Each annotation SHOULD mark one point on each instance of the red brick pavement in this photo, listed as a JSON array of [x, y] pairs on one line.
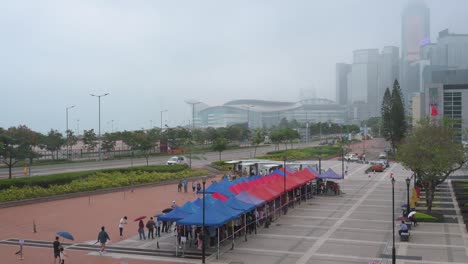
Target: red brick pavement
[[83, 217]]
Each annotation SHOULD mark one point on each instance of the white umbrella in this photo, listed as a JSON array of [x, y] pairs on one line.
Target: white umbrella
[[411, 214]]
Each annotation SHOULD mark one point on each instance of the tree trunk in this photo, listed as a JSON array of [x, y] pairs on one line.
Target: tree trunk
[[220, 155], [10, 164], [147, 156], [430, 190]]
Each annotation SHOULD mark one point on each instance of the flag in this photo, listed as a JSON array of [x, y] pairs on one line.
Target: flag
[[434, 111]]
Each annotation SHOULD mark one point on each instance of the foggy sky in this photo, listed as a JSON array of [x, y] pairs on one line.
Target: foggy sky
[[154, 55]]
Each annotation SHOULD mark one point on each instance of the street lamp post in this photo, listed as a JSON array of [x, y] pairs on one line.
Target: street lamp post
[[408, 181], [393, 219], [203, 226], [66, 131], [99, 105], [162, 111], [342, 162]]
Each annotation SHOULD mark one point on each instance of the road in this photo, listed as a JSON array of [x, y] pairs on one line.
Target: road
[[199, 162], [371, 147]]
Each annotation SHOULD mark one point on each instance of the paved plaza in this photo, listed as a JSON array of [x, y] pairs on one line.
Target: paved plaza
[[355, 227]]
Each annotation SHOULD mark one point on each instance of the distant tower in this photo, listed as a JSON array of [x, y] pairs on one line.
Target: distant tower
[[415, 32], [341, 78], [415, 29]]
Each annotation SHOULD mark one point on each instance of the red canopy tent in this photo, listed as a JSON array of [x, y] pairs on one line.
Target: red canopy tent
[[219, 196]]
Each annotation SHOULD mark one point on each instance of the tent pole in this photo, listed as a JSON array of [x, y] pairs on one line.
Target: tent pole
[[217, 253], [232, 246], [245, 226]]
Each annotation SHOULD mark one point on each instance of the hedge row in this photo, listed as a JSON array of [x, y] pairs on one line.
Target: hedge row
[[99, 180], [64, 178]]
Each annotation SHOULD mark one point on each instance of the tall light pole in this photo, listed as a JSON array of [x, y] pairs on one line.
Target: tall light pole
[[408, 181], [161, 112], [99, 135], [203, 224], [66, 131], [66, 110], [393, 220]]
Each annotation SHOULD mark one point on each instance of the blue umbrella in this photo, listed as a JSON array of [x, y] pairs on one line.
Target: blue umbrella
[[65, 235]]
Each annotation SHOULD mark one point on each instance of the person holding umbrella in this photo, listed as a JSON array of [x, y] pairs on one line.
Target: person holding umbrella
[[412, 217], [141, 230], [103, 237], [56, 246]]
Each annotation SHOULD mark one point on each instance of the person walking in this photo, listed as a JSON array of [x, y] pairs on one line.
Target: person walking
[[123, 221], [141, 230], [185, 185], [158, 227], [62, 255], [193, 186], [56, 246], [179, 186], [103, 238], [150, 225], [20, 251]]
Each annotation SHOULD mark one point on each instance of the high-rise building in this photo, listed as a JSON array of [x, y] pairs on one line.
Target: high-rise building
[[388, 70], [342, 70], [415, 32], [362, 88], [451, 50], [415, 29]]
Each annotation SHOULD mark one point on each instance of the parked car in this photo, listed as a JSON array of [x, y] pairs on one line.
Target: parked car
[[176, 160], [378, 168]]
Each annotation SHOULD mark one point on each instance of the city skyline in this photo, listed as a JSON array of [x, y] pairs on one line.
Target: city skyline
[[154, 56]]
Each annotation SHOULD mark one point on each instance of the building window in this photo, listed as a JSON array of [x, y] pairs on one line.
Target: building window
[[453, 110]]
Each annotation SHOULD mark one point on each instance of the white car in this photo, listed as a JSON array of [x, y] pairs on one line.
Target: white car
[[176, 160], [351, 157]]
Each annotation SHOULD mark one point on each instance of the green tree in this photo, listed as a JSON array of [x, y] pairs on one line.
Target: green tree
[[70, 140], [394, 125], [89, 139], [146, 141], [53, 142], [220, 145], [109, 142], [16, 144], [399, 124], [257, 140], [432, 154]]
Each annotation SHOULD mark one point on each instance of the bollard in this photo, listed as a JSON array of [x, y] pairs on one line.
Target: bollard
[[34, 226]]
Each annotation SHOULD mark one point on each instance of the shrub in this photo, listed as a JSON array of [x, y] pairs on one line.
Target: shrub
[[99, 180], [422, 217], [64, 178]]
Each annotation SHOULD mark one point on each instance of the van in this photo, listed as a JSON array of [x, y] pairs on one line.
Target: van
[[383, 155]]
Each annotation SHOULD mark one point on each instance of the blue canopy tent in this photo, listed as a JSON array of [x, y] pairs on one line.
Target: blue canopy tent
[[216, 214], [330, 174], [174, 215], [220, 188], [212, 218], [246, 197], [239, 205]]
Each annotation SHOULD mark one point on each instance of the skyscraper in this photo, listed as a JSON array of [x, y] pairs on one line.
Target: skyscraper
[[388, 70], [415, 32], [342, 70], [362, 85]]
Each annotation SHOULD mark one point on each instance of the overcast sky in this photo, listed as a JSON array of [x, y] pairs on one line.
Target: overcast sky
[[153, 55]]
